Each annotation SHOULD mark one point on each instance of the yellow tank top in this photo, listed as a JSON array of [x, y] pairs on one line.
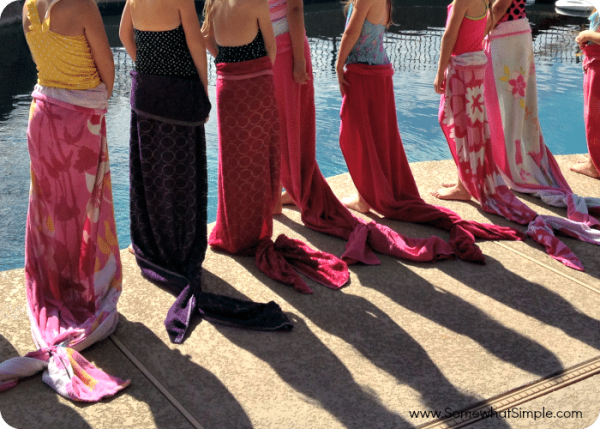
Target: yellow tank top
[[61, 61]]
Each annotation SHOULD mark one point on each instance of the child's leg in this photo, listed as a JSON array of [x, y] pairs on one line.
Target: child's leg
[[278, 204]]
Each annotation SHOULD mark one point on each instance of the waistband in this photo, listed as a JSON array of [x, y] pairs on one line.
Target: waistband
[[511, 28], [468, 60], [245, 69], [371, 70]]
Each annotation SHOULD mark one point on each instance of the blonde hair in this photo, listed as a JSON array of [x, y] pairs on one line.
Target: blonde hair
[[389, 21], [207, 14]]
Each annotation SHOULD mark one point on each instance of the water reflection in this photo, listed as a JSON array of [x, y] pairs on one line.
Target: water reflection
[[412, 45]]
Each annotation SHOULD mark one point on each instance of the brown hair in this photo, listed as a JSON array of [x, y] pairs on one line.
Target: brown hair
[[389, 21], [491, 16]]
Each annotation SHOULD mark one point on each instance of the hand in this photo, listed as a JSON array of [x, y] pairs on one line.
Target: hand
[[300, 74], [440, 83], [342, 82], [583, 38]]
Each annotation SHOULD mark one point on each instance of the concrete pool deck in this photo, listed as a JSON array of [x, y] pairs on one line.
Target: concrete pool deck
[[520, 333]]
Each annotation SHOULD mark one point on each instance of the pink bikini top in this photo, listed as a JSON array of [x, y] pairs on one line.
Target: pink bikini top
[[470, 34]]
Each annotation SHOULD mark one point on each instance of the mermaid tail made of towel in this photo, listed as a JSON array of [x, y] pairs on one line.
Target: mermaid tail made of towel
[[72, 264], [372, 147], [519, 151]]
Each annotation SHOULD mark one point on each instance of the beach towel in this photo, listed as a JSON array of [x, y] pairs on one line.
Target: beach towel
[[248, 182], [591, 101], [372, 147], [300, 175], [462, 116], [72, 266], [519, 151], [168, 204]]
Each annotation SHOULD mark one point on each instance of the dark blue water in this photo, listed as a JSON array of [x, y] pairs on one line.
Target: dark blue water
[[413, 47]]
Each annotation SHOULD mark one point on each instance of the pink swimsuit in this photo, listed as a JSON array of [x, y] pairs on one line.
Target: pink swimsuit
[[470, 34]]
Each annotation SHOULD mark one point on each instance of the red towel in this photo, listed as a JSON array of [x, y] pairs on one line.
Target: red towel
[[591, 101], [372, 147], [248, 182], [302, 179]]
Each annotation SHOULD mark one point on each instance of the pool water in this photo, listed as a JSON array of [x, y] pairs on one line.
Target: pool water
[[412, 45]]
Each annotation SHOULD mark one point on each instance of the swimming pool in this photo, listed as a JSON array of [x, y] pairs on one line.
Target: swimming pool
[[413, 47]]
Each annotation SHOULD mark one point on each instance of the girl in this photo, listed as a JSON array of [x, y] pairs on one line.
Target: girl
[[240, 37], [168, 162], [72, 265], [370, 140], [460, 79], [511, 101], [589, 43]]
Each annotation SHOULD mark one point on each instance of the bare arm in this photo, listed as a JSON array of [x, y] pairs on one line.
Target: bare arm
[[295, 17], [208, 31], [498, 10], [126, 33], [448, 41], [93, 28], [351, 34], [587, 36], [194, 39], [266, 28]]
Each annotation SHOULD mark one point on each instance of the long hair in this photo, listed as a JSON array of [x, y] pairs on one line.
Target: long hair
[[207, 14], [389, 21]]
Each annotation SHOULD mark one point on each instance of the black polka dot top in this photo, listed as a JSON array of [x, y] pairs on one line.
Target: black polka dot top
[[515, 11], [164, 53], [235, 54]]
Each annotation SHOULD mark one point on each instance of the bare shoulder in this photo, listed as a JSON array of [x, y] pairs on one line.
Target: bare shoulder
[[77, 8], [254, 4]]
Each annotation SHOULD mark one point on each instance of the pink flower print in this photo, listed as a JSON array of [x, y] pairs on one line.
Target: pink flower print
[[518, 85]]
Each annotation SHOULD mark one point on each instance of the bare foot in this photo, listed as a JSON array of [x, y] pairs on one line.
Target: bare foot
[[457, 192], [356, 203], [448, 184], [587, 168], [286, 199], [130, 249]]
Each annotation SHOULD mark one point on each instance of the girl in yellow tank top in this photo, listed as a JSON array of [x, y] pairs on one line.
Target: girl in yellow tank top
[[62, 61]]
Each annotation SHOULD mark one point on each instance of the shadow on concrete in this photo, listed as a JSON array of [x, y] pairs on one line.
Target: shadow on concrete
[[533, 300], [198, 390]]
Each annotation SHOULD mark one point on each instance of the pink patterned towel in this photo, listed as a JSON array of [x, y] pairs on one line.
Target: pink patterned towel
[[519, 151], [72, 265], [463, 119]]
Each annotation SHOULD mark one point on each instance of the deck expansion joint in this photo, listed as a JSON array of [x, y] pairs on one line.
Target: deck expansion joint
[[162, 389], [517, 396], [554, 270]]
